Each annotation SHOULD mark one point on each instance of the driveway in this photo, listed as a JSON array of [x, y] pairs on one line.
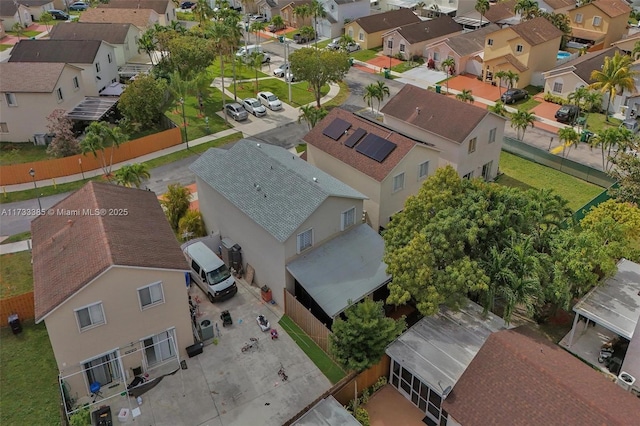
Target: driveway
[[479, 89], [225, 386], [422, 76]]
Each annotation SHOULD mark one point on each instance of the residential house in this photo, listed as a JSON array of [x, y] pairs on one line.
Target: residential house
[[519, 377], [2, 30], [36, 7], [268, 8], [503, 13], [143, 19], [471, 143], [29, 92], [387, 182], [96, 58], [556, 6], [165, 9], [299, 228], [289, 16], [599, 23], [410, 40], [627, 44], [341, 11], [466, 49], [111, 289], [367, 31], [431, 8], [528, 49], [14, 13], [123, 37]]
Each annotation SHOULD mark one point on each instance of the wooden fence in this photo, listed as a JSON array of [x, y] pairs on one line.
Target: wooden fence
[[55, 168], [316, 330], [21, 305]]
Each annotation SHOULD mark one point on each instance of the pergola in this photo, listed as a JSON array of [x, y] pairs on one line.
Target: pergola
[[92, 108]]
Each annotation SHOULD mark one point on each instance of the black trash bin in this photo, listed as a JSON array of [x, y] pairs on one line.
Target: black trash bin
[[195, 349], [14, 323]]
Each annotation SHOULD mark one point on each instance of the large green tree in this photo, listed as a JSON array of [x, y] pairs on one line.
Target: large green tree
[[311, 115], [144, 101], [190, 54], [191, 225], [614, 77], [359, 341], [319, 68], [627, 173]]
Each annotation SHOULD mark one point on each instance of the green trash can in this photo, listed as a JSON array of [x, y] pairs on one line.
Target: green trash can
[[351, 62], [586, 136], [387, 73], [438, 88]]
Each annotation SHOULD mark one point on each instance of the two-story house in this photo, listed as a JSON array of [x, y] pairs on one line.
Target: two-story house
[[599, 23], [268, 8], [109, 282], [470, 143], [367, 31], [143, 19], [528, 49], [12, 13], [37, 7], [387, 177], [300, 229], [29, 92], [287, 11], [410, 40], [165, 9], [337, 12], [96, 58]]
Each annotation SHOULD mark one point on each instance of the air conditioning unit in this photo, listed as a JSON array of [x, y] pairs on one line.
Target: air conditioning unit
[[625, 381]]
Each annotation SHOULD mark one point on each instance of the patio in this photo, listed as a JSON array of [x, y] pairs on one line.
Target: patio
[[587, 342], [478, 88], [389, 408]]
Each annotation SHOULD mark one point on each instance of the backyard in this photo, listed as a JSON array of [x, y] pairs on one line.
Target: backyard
[[16, 275]]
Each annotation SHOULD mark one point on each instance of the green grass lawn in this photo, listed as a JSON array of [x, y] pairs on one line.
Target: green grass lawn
[[364, 55], [323, 44], [29, 393], [22, 236], [4, 47], [299, 93], [17, 274], [596, 122], [521, 173], [329, 368], [340, 98], [525, 104], [243, 71], [406, 65], [196, 124], [16, 153], [24, 34]]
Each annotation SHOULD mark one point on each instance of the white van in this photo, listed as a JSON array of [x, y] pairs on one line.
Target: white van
[[209, 272], [246, 52]]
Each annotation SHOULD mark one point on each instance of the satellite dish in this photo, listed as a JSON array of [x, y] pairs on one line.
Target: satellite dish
[[446, 391]]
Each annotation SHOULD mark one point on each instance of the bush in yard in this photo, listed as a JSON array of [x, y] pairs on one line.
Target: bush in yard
[[555, 99], [82, 417], [191, 225], [176, 204], [64, 142], [144, 101], [362, 416]]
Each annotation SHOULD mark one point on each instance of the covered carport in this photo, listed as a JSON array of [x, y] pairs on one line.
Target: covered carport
[[340, 272], [93, 108]]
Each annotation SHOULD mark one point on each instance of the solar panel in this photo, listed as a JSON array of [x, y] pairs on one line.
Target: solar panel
[[355, 138], [336, 129], [375, 147]]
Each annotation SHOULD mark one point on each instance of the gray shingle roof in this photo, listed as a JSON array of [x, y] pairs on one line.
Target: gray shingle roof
[[272, 186], [67, 51], [25, 77], [111, 33]]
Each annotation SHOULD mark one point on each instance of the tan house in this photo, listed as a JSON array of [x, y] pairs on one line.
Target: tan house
[[527, 49], [600, 23], [503, 13], [627, 44], [300, 229], [32, 91], [14, 13], [556, 6], [109, 283], [368, 30], [165, 9], [469, 137], [143, 19], [388, 181], [289, 16], [410, 40]]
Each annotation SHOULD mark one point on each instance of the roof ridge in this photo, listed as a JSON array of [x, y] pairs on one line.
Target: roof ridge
[[101, 226]]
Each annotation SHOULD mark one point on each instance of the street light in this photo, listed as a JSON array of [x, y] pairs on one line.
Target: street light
[[81, 171], [33, 176], [184, 123], [390, 51]]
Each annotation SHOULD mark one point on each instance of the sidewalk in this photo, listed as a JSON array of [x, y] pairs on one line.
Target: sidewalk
[[15, 247]]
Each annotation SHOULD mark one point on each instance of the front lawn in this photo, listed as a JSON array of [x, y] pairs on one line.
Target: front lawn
[[243, 71], [25, 152], [526, 104], [29, 393], [407, 65], [364, 55], [196, 124], [24, 34], [4, 47], [596, 122], [17, 274], [525, 174], [22, 236], [300, 95]]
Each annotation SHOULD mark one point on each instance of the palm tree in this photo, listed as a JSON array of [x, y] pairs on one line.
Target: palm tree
[[175, 203], [528, 9], [221, 37], [303, 12], [523, 287], [345, 39], [191, 225], [569, 138], [511, 78], [520, 121], [98, 137], [307, 32], [202, 11], [278, 22], [636, 50], [465, 96], [577, 96], [132, 175], [177, 27], [502, 77], [147, 44], [436, 9], [46, 18], [420, 6], [611, 141], [482, 6], [370, 93], [256, 59], [498, 108], [615, 76], [256, 27], [591, 99], [311, 115], [180, 88], [317, 11], [382, 90], [497, 269], [448, 64]]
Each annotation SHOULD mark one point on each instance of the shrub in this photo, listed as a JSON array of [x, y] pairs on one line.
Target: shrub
[[555, 99], [362, 416]]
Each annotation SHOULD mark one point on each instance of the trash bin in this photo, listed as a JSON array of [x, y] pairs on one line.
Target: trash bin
[[14, 323], [438, 88], [195, 349], [387, 72], [586, 136], [350, 62]]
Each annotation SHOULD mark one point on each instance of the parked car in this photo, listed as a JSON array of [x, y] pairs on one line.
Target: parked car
[[352, 47], [79, 6], [258, 18], [631, 124], [273, 28], [567, 114], [300, 39], [187, 5], [247, 52], [281, 70], [59, 15], [289, 77], [254, 106], [270, 100], [513, 95], [334, 44], [236, 111]]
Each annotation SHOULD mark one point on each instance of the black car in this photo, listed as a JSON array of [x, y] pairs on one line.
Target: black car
[[187, 5], [513, 95], [567, 114], [59, 15]]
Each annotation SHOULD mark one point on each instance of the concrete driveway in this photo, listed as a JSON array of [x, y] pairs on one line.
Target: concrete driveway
[[225, 386], [422, 76]]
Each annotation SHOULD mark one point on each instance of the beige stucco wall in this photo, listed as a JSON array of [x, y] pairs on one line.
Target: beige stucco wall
[[126, 323], [366, 41], [24, 17], [108, 70], [37, 11], [129, 48], [30, 116], [570, 82], [612, 28]]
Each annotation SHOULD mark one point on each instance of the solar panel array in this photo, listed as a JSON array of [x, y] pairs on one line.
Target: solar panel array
[[375, 147], [336, 129], [355, 138]]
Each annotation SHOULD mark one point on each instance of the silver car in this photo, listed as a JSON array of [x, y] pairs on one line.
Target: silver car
[[253, 106], [281, 70], [236, 111], [270, 100]]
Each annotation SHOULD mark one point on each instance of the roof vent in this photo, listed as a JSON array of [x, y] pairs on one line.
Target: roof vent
[[258, 145], [417, 110], [257, 187], [315, 179]]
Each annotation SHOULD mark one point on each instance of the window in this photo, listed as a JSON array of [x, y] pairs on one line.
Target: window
[[578, 18], [332, 7], [486, 170], [305, 240], [489, 42], [519, 48], [492, 135], [468, 176], [351, 33], [76, 83], [348, 218], [360, 36], [423, 170], [436, 56], [160, 347], [390, 44], [103, 369], [11, 99], [109, 57], [59, 94], [97, 66], [150, 295], [398, 182], [90, 316], [597, 20], [402, 47], [472, 145], [4, 128], [286, 16], [557, 87]]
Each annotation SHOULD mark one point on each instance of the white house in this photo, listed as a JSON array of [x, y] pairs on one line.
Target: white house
[[14, 13]]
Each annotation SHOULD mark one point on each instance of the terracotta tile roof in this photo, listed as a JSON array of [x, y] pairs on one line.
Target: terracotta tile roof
[[350, 156], [501, 10], [585, 34], [67, 51], [141, 18], [428, 30], [612, 8], [515, 62], [435, 113], [160, 6], [387, 20], [559, 4], [520, 378], [29, 77], [70, 251], [537, 31], [111, 33], [471, 42]]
